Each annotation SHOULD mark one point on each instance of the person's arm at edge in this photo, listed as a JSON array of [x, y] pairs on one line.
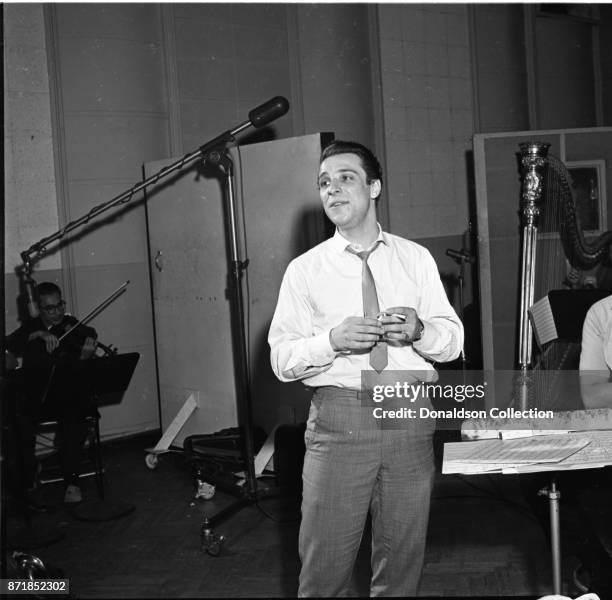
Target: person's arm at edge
[[595, 384], [442, 338], [295, 352]]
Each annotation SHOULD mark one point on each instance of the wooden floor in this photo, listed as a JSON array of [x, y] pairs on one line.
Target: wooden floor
[[482, 541]]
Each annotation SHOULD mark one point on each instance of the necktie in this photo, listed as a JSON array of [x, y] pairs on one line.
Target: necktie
[[378, 354]]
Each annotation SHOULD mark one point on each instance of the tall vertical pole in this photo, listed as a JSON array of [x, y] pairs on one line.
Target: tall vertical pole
[[533, 160], [241, 354], [554, 496]]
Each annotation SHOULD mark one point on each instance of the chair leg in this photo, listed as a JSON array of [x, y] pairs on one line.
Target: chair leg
[[23, 483], [99, 468]]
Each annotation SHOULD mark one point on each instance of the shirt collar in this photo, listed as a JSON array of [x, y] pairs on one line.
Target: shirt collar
[[340, 243]]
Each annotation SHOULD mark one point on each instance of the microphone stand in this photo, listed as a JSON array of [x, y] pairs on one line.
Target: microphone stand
[[461, 279], [247, 494], [461, 258]]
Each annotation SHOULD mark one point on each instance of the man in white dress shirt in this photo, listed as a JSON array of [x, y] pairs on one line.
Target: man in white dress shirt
[[320, 334]]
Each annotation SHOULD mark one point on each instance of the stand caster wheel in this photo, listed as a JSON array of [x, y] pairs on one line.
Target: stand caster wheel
[[151, 460], [214, 549], [211, 542]]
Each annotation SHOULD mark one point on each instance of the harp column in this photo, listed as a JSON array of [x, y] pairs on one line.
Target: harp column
[[533, 162]]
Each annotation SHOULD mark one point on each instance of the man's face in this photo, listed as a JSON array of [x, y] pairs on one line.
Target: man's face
[[347, 197], [51, 309]]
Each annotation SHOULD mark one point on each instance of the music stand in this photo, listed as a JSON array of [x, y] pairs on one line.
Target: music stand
[[107, 378], [111, 376]]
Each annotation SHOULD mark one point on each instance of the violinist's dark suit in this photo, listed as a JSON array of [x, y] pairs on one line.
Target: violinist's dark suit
[[51, 386]]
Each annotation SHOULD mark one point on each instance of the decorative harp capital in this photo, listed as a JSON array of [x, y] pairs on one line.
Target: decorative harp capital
[[533, 161]]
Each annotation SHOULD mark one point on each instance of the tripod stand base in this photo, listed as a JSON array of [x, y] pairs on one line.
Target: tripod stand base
[[101, 510], [244, 497], [212, 542]]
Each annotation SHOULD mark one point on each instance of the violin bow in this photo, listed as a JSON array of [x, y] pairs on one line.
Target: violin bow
[[90, 315]]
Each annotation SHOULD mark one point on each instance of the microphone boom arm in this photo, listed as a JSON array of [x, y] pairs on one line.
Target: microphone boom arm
[[258, 117], [39, 248]]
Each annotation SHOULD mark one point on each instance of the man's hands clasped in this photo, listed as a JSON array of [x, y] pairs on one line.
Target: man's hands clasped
[[397, 325]]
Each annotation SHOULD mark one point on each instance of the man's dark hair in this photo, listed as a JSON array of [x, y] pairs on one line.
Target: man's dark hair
[[368, 160], [48, 288]]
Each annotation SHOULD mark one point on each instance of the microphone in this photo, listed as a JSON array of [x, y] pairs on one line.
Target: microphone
[[258, 117], [29, 285], [460, 255], [269, 111]]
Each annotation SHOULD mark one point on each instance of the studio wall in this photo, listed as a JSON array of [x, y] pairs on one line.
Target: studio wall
[[31, 210], [427, 107]]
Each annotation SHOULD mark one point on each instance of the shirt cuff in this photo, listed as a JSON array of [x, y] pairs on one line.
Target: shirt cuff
[[429, 338], [321, 350]]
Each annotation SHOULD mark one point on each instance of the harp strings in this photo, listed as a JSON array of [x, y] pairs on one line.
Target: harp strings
[[551, 274], [551, 269]]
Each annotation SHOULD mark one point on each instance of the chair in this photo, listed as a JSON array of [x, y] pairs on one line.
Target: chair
[[46, 448]]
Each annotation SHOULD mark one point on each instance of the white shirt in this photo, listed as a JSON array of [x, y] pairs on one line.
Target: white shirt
[[322, 287], [596, 353]]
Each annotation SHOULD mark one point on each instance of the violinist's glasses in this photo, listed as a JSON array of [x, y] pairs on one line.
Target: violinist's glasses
[[51, 308]]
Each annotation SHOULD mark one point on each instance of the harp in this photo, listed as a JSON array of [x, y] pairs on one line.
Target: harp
[[546, 192]]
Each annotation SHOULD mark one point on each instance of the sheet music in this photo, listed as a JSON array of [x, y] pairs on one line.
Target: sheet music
[[594, 451], [535, 449], [511, 434], [543, 321], [599, 448], [563, 421], [594, 456], [473, 468]]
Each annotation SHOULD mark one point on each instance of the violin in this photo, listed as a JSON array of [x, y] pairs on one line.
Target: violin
[[108, 350], [73, 336]]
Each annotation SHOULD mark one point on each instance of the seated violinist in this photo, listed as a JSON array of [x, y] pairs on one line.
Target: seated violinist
[[52, 386]]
